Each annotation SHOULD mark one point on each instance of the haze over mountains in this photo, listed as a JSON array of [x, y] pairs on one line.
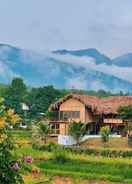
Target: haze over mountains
[[82, 69]]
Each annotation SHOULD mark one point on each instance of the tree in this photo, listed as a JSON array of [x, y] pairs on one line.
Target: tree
[[41, 131], [15, 95], [77, 130], [39, 99], [105, 133], [126, 113]]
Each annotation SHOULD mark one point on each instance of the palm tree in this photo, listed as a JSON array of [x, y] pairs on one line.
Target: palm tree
[[41, 131], [77, 130], [105, 133]]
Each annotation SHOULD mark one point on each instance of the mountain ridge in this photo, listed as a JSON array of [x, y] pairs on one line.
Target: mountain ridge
[[91, 52], [45, 69]]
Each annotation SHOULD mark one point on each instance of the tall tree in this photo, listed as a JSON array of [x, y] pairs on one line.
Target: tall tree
[[15, 95], [39, 100]]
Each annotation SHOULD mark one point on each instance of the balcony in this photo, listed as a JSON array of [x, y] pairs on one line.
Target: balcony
[[63, 116]]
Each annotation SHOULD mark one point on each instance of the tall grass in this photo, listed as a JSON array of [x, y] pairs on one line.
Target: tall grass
[[90, 169]]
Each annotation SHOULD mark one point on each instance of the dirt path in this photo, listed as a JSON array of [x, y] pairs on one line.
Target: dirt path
[[69, 180]]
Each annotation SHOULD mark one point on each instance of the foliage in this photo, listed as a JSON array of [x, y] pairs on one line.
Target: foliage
[[125, 112], [105, 132], [41, 131], [91, 167], [60, 155], [88, 163], [15, 95], [9, 167], [77, 130], [39, 100], [110, 153], [51, 115], [3, 89], [46, 147]]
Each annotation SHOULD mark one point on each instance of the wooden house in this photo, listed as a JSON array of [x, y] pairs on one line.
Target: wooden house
[[93, 111]]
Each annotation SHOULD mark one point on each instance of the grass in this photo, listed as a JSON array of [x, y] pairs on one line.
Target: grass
[[114, 143], [77, 165], [21, 134], [36, 154], [81, 166], [117, 170]]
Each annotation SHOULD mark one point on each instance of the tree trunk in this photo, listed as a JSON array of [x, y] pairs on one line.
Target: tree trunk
[[45, 140], [77, 142]]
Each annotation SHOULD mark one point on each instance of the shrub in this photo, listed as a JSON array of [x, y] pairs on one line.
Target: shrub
[[60, 156], [46, 147], [9, 166], [102, 152], [105, 132]]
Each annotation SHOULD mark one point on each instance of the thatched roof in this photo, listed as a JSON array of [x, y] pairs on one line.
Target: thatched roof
[[98, 105]]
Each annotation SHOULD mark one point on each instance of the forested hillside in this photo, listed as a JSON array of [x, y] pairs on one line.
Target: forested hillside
[[38, 99]]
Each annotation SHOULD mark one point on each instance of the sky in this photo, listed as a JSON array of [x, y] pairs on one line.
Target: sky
[[71, 24]]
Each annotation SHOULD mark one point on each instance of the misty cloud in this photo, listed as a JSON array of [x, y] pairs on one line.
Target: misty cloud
[[89, 64]]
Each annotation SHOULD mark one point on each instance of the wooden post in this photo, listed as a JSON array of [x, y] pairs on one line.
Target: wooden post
[[59, 115]]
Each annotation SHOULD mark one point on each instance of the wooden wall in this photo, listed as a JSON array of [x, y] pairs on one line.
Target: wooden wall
[[89, 117], [75, 105]]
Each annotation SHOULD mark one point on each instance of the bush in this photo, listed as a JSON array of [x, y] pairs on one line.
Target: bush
[[102, 152], [9, 166], [62, 152], [46, 147], [105, 132], [60, 156]]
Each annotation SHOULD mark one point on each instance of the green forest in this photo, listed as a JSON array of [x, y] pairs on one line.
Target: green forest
[[38, 99]]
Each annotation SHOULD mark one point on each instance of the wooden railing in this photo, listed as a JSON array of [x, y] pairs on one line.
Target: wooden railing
[[113, 120]]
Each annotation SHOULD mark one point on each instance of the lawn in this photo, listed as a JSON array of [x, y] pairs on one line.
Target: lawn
[[114, 143], [78, 168]]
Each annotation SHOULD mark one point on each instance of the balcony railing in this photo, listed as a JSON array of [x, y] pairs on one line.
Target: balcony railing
[[113, 121], [64, 115]]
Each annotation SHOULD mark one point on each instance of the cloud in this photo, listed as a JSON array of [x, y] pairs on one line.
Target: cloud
[[105, 25], [88, 63], [76, 83]]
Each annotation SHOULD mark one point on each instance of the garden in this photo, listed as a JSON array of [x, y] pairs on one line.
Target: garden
[[52, 163], [30, 156]]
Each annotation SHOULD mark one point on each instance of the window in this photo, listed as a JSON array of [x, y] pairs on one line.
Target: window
[[75, 114], [55, 128], [64, 115]]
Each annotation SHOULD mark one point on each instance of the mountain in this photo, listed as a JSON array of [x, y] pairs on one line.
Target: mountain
[[124, 60], [95, 54], [38, 69]]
